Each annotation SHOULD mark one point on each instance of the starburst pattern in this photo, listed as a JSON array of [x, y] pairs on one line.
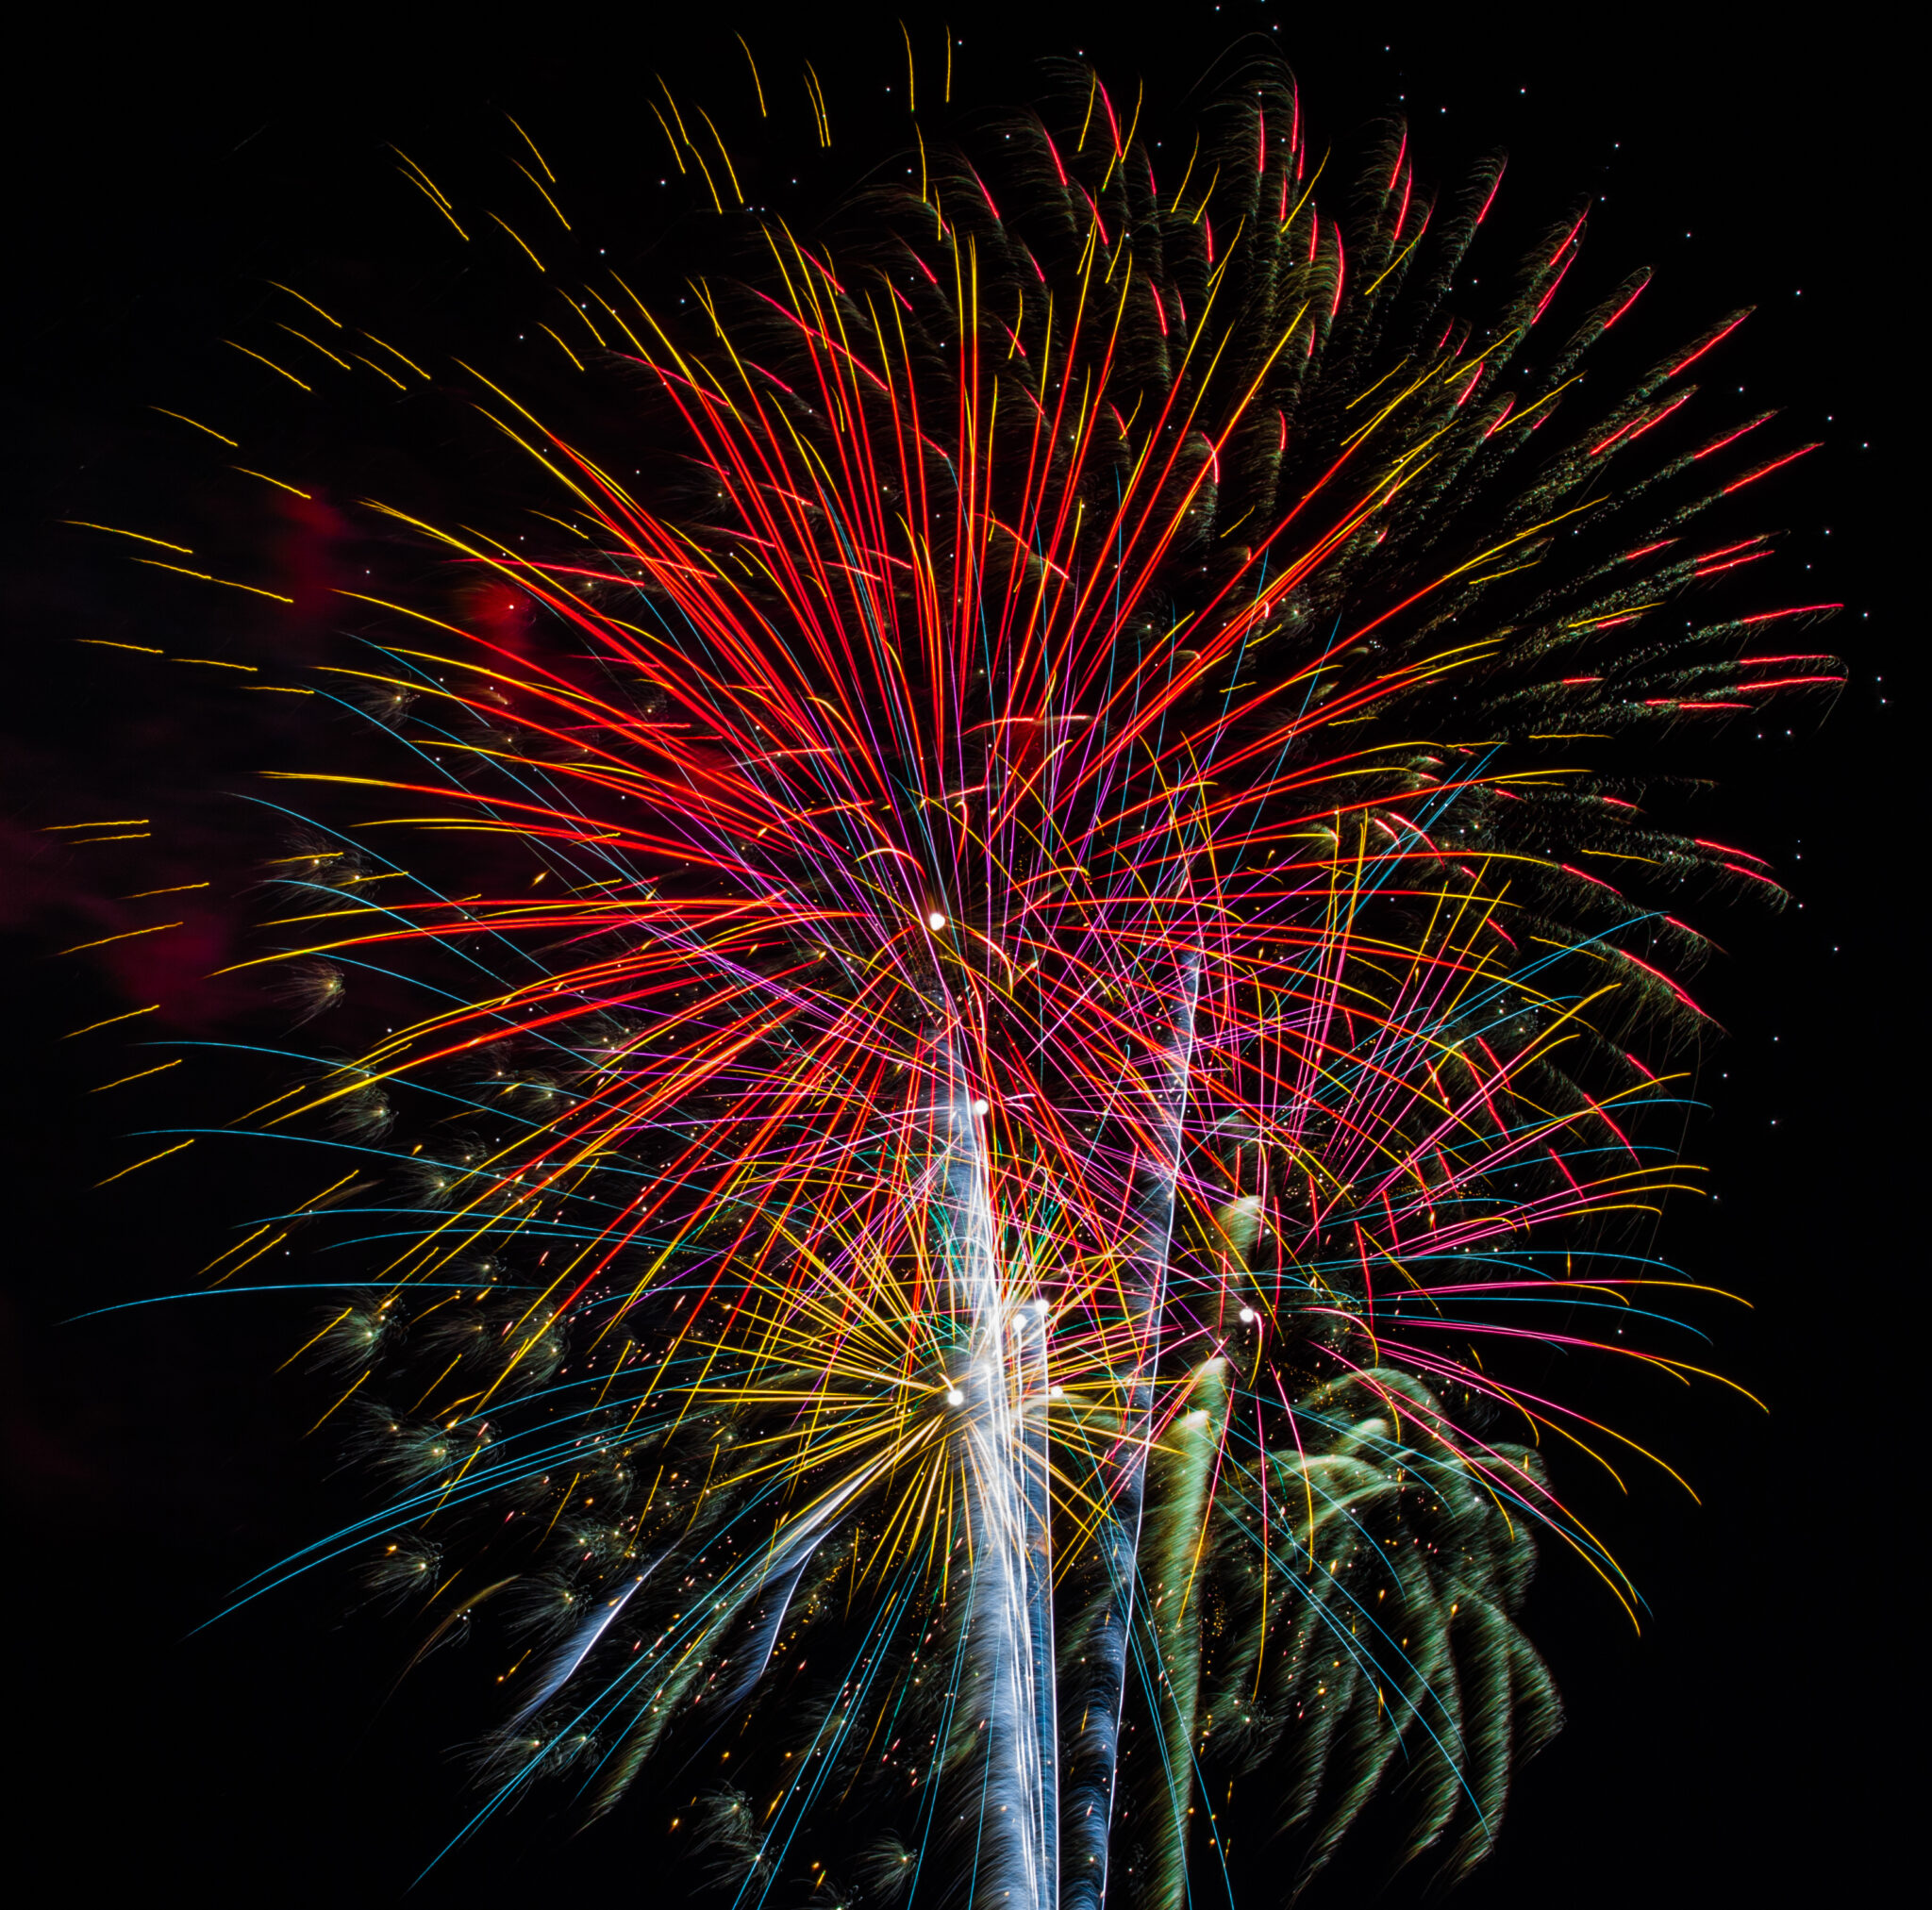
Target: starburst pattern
[[1063, 987]]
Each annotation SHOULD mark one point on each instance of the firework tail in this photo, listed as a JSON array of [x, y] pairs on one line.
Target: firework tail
[[1010, 1614], [1184, 1460], [1093, 1759], [1032, 1341]]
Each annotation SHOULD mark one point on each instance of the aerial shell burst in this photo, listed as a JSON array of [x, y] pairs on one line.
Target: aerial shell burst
[[1084, 1002]]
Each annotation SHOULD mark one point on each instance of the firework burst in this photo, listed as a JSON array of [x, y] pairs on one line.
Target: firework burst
[[1063, 983]]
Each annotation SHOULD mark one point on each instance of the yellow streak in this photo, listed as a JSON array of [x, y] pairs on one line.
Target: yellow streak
[[307, 340], [380, 372], [148, 1162], [392, 350], [203, 577], [112, 1018], [311, 1339], [562, 346], [538, 184], [156, 929], [755, 81], [162, 1069], [730, 171], [527, 253], [343, 1400], [532, 145], [309, 302], [232, 443], [270, 363], [275, 481], [81, 524]]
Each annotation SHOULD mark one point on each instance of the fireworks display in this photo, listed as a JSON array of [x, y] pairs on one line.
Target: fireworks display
[[1037, 981]]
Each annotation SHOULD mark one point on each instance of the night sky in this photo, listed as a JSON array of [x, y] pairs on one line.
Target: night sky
[[1747, 1745]]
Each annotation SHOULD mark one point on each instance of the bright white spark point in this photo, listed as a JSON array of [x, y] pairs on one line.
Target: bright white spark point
[[934, 920], [1247, 1313], [980, 1106], [954, 1396]]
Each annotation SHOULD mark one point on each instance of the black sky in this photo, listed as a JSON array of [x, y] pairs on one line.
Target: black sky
[[1748, 1743]]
